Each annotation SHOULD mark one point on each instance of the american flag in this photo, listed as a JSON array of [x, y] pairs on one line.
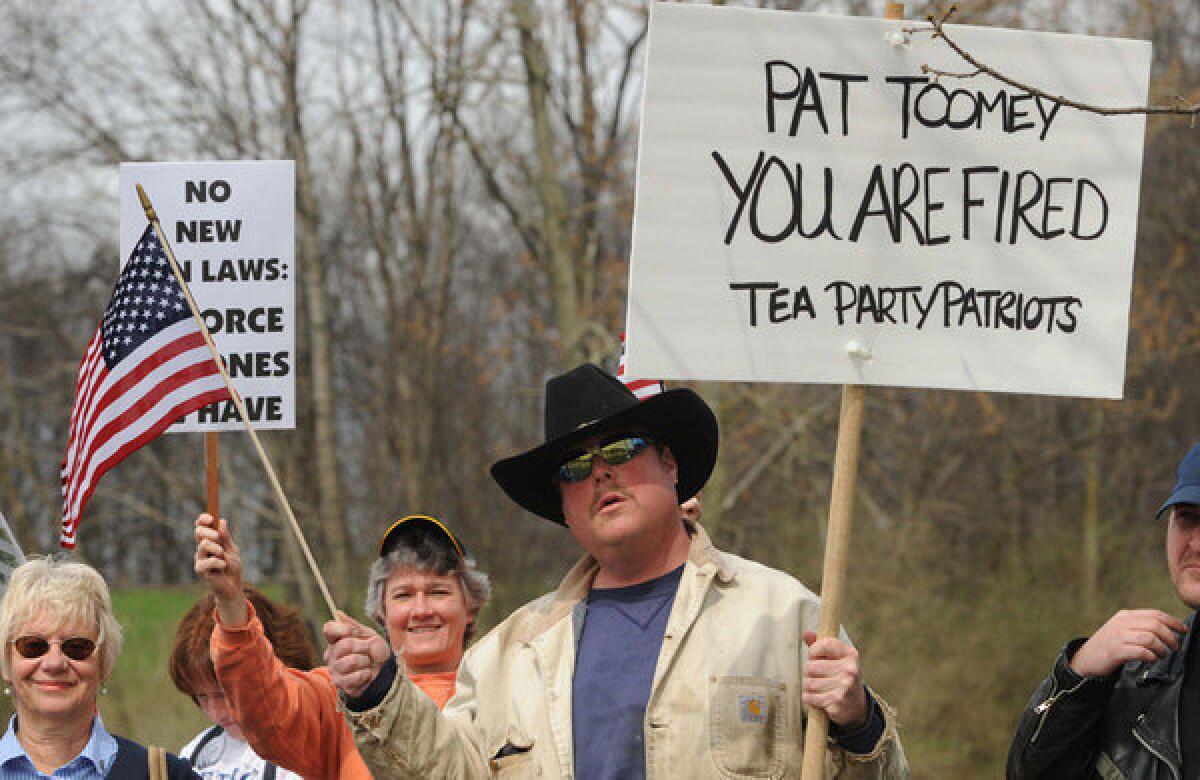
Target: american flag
[[642, 388], [146, 366]]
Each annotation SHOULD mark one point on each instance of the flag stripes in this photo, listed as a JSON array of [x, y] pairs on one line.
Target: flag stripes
[[642, 388]]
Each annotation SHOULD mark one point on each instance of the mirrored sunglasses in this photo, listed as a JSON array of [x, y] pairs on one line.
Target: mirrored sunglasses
[[613, 452], [77, 648]]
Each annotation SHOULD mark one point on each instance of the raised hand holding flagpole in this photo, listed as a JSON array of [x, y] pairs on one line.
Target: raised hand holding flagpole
[[241, 408]]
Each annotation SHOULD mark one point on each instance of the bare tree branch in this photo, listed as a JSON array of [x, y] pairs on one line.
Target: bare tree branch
[[937, 29]]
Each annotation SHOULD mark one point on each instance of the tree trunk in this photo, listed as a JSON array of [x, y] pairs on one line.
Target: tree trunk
[[329, 502], [559, 257]]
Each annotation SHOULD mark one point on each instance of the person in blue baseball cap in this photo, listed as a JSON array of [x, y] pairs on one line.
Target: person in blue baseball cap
[[1125, 702]]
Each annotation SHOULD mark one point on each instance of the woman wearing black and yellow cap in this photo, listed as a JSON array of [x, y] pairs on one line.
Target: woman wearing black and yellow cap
[[424, 593]]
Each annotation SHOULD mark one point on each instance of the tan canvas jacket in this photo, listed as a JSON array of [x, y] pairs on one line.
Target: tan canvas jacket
[[725, 700]]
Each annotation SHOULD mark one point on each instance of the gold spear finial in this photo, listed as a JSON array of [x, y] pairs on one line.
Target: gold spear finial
[[145, 199]]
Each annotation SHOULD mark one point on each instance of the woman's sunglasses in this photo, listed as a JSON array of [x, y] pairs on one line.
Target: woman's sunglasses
[[613, 452], [77, 648]]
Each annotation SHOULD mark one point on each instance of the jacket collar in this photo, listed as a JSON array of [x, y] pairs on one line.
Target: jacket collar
[[575, 586], [1170, 667]]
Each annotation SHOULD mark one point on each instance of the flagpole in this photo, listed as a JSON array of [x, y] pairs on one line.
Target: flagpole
[[237, 400]]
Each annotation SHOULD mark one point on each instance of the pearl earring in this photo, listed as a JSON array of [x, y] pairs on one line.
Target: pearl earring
[[8, 690]]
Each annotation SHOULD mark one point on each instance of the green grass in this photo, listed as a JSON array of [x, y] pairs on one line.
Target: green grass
[[142, 703]]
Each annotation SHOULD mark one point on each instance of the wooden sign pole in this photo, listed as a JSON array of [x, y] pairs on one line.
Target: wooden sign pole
[[837, 539], [833, 572], [212, 486]]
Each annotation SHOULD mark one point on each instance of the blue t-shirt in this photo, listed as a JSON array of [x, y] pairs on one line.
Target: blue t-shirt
[[618, 650]]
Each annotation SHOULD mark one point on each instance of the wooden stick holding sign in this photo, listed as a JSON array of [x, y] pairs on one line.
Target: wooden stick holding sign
[[212, 484], [837, 539], [833, 572], [241, 408]]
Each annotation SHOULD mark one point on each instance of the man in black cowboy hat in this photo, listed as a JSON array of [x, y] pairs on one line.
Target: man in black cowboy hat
[[658, 655], [1125, 702]]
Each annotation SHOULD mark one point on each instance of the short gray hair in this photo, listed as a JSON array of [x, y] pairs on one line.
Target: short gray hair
[[70, 594], [435, 559]]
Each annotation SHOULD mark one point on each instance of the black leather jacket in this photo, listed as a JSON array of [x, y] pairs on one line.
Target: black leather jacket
[[1121, 726]]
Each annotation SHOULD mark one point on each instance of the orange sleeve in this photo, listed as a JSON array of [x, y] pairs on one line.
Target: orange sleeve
[[290, 717]]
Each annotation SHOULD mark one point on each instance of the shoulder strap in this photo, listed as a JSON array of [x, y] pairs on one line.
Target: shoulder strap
[[209, 736], [130, 761], [269, 769], [156, 757]]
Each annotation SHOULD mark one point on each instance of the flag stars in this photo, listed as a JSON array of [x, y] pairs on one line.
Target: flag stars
[[146, 299]]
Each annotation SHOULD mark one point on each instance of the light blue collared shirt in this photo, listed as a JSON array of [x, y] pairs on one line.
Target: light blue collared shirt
[[92, 763]]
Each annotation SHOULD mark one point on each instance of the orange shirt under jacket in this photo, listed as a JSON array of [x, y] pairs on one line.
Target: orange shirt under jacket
[[290, 717]]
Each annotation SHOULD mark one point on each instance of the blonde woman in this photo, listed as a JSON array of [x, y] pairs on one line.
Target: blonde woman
[[61, 642]]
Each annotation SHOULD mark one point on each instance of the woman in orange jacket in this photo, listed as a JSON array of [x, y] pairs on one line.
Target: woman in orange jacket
[[424, 591]]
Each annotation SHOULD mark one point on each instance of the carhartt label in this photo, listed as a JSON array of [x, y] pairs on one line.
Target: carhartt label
[[753, 709]]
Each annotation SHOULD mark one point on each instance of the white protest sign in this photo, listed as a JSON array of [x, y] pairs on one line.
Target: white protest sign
[[811, 208], [232, 227]]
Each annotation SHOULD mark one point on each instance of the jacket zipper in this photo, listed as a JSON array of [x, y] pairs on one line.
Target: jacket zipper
[[1044, 708], [1153, 752]]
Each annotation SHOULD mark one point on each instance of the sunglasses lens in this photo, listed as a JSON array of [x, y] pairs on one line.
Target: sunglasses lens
[[31, 646], [78, 648], [622, 450], [576, 468], [614, 453]]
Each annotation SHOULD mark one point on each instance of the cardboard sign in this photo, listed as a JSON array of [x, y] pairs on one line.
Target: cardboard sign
[[811, 208], [232, 227]]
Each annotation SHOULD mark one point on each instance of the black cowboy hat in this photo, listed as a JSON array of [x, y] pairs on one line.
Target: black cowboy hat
[[585, 402]]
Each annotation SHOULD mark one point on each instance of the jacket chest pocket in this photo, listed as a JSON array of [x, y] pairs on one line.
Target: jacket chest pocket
[[748, 721], [512, 756]]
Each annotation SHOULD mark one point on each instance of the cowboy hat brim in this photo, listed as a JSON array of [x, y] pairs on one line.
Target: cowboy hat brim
[[678, 418]]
